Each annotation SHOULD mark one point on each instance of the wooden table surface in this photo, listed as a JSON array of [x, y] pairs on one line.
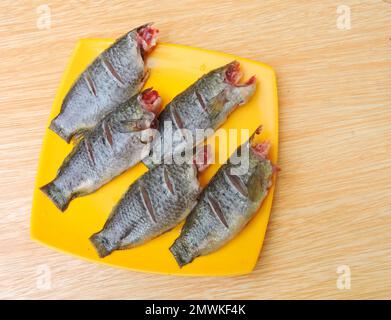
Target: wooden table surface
[[332, 205]]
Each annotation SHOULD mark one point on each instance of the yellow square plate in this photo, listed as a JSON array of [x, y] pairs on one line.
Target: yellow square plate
[[173, 68]]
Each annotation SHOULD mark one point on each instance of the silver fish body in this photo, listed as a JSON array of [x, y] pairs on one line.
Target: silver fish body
[[224, 208], [205, 104], [154, 204], [117, 143], [112, 78]]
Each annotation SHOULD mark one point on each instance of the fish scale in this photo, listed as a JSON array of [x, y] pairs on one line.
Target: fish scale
[[223, 208], [131, 223]]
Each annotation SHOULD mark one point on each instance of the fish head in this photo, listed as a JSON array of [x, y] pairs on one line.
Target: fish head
[[147, 37], [150, 103]]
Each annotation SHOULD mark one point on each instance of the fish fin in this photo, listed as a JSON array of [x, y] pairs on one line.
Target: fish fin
[[203, 157], [57, 197], [101, 244], [181, 253], [79, 135], [59, 130]]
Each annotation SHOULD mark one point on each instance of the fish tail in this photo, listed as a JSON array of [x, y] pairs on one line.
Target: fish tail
[[56, 195], [181, 253], [56, 127], [101, 244]]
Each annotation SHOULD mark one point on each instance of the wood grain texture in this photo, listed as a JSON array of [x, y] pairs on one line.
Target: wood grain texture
[[332, 203]]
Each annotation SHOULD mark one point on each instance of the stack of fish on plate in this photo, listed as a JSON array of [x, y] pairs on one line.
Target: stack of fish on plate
[[113, 124]]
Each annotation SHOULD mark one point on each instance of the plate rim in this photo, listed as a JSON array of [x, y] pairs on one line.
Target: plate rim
[[34, 236]]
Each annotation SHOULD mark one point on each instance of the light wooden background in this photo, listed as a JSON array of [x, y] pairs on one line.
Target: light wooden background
[[332, 204]]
